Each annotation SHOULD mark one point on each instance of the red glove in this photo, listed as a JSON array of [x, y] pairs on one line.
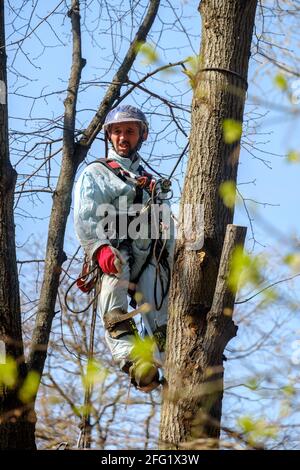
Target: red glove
[[109, 260]]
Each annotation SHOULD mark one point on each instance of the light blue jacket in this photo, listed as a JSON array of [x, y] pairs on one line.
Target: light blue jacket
[[98, 185]]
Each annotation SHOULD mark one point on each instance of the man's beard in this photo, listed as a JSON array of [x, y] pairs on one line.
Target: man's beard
[[126, 153]]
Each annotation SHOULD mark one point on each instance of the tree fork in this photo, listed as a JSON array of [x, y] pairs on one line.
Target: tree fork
[[17, 422]]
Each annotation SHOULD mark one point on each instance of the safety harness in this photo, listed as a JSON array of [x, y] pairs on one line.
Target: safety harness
[[158, 251]]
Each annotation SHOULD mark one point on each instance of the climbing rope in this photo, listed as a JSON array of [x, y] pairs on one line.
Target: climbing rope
[[89, 283]]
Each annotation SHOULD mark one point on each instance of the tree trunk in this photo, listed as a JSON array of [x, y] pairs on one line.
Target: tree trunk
[[16, 425], [194, 364]]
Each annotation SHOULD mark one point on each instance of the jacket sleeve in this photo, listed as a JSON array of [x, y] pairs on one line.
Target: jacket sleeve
[[92, 196]]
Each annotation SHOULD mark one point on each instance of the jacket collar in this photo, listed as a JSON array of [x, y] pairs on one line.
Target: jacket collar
[[126, 163]]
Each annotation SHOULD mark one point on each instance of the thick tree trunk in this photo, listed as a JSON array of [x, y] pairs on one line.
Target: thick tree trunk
[[194, 363], [16, 425]]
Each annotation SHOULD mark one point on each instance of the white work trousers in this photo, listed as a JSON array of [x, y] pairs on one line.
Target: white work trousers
[[114, 294]]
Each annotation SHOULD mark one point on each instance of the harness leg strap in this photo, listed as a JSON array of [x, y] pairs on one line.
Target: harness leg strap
[[116, 325]]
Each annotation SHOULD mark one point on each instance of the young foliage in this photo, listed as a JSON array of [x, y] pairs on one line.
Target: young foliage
[[232, 131]]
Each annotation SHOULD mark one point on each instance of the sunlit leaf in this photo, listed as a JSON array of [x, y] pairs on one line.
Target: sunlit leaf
[[293, 261], [281, 82], [289, 390], [194, 64], [246, 423], [9, 373], [227, 191], [256, 430], [232, 130], [252, 383], [149, 53], [293, 157], [191, 76], [30, 387], [83, 410], [143, 349], [145, 307], [142, 355], [95, 373], [244, 269]]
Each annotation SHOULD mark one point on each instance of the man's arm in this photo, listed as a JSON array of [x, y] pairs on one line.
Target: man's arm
[[92, 195]]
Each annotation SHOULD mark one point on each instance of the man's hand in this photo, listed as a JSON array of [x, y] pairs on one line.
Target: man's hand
[[110, 260]]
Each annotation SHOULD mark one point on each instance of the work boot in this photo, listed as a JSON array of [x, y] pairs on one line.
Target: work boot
[[144, 375]]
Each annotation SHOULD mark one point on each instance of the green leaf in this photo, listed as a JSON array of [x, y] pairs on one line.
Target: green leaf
[[293, 261], [30, 387], [281, 82], [227, 191], [232, 130], [257, 429], [83, 409], [293, 157], [95, 373], [246, 423], [192, 78], [143, 349], [8, 373], [289, 390], [195, 64], [252, 383], [270, 296], [148, 51]]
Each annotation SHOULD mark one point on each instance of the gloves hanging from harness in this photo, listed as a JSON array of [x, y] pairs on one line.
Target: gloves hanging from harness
[[110, 260]]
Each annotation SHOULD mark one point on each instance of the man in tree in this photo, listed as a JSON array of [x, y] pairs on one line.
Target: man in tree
[[107, 195]]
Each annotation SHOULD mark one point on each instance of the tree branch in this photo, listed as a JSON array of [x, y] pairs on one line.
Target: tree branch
[[55, 255]]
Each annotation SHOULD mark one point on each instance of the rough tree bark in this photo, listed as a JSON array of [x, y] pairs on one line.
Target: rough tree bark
[[16, 420], [73, 154], [192, 405]]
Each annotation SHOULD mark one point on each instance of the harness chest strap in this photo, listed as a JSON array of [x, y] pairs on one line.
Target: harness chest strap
[[140, 184], [144, 181]]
